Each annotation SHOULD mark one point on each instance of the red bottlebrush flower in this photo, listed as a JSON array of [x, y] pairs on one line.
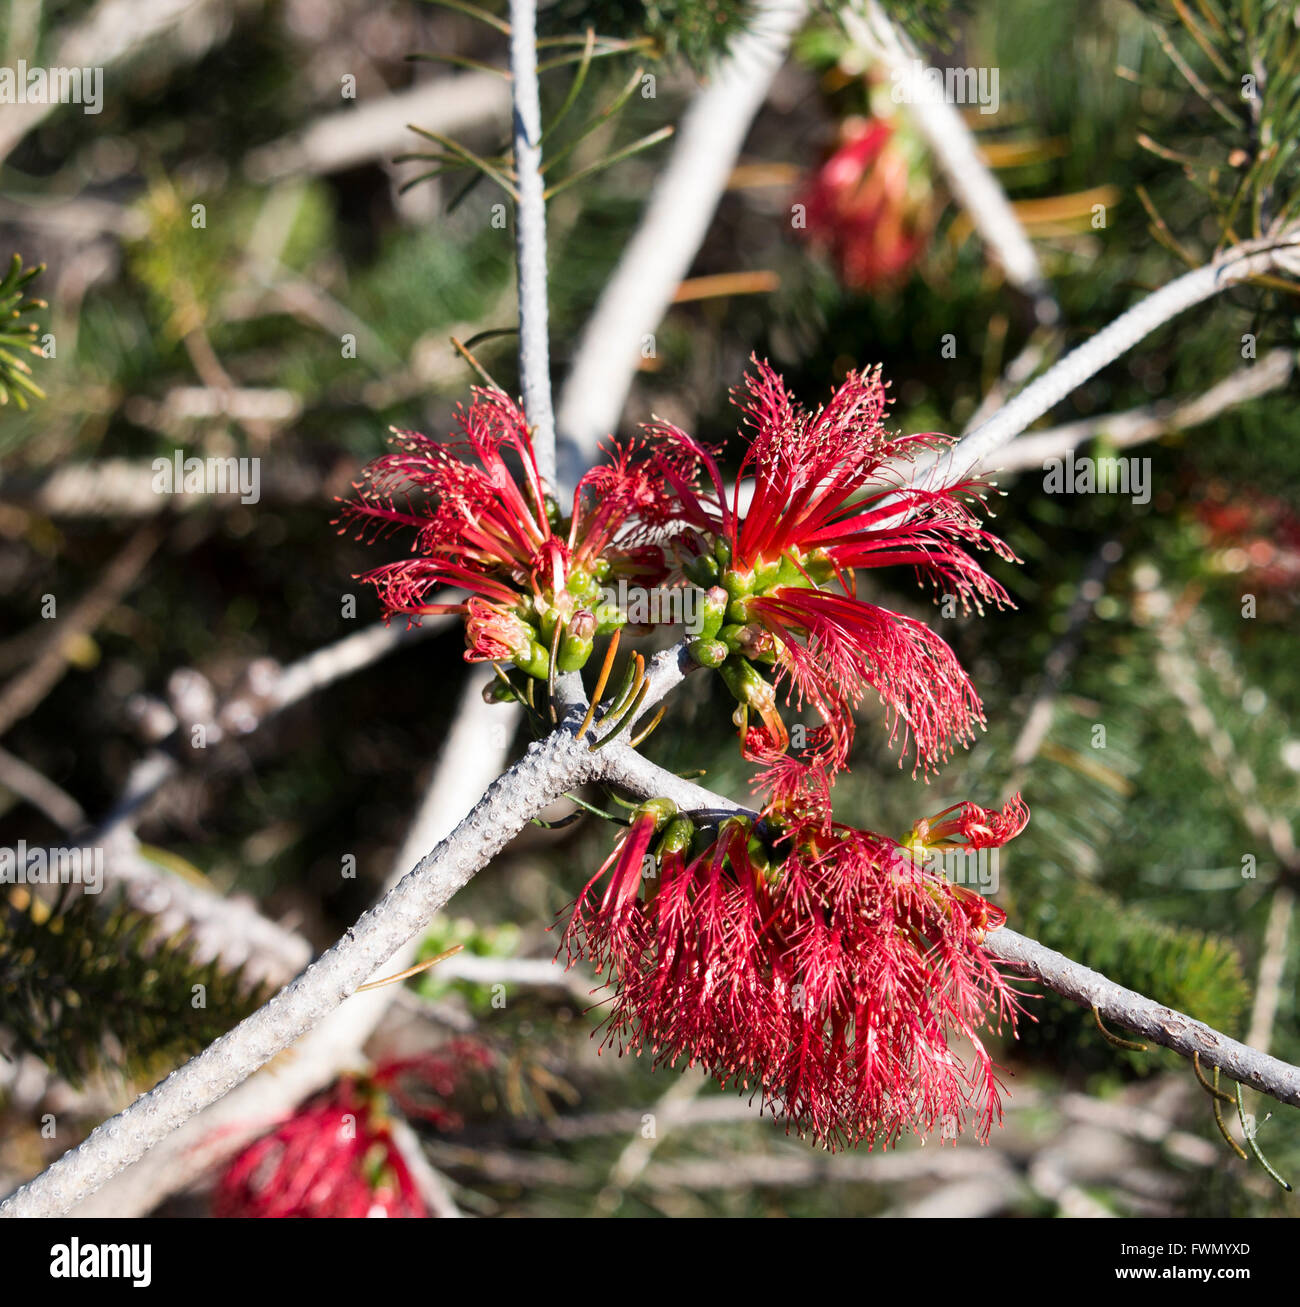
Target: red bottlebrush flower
[[421, 1086], [867, 206], [826, 501], [335, 1156], [823, 967], [484, 521], [968, 826]]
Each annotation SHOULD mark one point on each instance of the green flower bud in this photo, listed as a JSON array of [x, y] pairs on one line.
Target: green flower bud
[[738, 611], [744, 681], [703, 570], [609, 618], [535, 661], [662, 810], [497, 691], [713, 609], [708, 653], [677, 836], [738, 584], [576, 642], [581, 585]]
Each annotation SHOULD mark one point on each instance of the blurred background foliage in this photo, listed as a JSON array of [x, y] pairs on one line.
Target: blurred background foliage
[[1133, 862]]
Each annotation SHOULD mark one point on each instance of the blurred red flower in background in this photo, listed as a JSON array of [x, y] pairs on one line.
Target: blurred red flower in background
[[867, 206], [1255, 535], [336, 1156]]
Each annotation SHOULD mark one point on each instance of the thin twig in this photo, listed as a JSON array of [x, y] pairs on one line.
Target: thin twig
[[672, 228], [1109, 344], [953, 145], [1151, 421], [530, 238], [22, 694], [23, 780]]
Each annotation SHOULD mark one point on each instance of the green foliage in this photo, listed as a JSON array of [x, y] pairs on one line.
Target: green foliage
[[493, 941], [698, 31], [87, 987], [180, 261], [934, 22], [1234, 66], [16, 336]]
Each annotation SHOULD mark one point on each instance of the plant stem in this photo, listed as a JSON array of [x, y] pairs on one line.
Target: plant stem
[[548, 769], [1144, 1016], [530, 237]]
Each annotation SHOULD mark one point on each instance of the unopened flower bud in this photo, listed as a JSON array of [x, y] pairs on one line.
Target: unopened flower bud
[[609, 618], [576, 642], [754, 693], [661, 810], [535, 661], [702, 569], [677, 836], [713, 611], [708, 653]]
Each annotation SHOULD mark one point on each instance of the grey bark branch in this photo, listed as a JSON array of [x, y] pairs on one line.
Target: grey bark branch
[[1145, 1017], [1150, 421], [538, 778], [1109, 344], [113, 32], [313, 672], [530, 237], [381, 127], [474, 752]]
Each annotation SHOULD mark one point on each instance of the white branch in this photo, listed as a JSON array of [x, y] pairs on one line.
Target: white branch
[[1109, 344], [381, 127], [472, 755], [24, 781], [530, 237], [676, 218], [954, 147], [112, 33], [1152, 1020], [315, 671], [1150, 421], [538, 778]]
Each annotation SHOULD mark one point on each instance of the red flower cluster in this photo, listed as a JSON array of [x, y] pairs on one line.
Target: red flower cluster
[[335, 1156], [866, 206], [829, 495], [497, 533], [827, 968], [827, 498]]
